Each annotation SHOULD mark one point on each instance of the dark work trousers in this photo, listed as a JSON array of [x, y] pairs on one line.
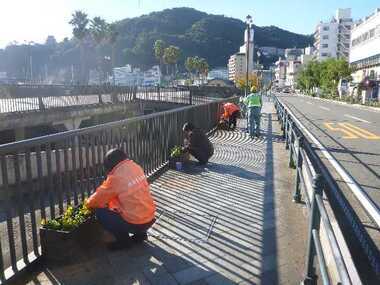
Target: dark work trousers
[[116, 225], [232, 120]]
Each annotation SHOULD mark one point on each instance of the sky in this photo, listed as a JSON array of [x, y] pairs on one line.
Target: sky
[[33, 20]]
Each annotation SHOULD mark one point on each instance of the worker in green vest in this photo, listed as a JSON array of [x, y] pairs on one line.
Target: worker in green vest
[[254, 103]]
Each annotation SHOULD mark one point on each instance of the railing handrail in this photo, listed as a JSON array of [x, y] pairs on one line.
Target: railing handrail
[[4, 148]]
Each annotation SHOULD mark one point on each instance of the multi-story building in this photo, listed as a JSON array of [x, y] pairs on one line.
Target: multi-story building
[[332, 39], [236, 66], [280, 72], [365, 48], [292, 69]]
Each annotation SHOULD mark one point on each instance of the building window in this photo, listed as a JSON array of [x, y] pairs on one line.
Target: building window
[[326, 28], [326, 37], [323, 54], [325, 46]]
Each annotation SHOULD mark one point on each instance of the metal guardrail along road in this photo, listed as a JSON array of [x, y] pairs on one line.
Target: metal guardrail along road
[[310, 170]]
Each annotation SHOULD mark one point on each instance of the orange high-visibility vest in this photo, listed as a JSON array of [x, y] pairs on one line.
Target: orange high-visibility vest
[[229, 108], [127, 192]]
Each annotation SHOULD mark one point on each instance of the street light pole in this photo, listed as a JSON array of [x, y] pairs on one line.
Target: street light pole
[[249, 23]]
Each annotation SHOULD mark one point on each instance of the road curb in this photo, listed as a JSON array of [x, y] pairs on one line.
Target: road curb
[[358, 106]]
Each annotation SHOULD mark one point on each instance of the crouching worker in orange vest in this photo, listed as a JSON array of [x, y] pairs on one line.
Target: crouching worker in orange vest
[[231, 113], [123, 203]]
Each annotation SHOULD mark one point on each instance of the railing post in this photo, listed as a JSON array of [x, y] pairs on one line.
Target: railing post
[[134, 95], [314, 223], [191, 96], [158, 93], [41, 105]]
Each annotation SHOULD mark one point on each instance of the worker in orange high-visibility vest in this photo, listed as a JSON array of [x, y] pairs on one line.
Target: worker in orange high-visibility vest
[[123, 203], [231, 113]]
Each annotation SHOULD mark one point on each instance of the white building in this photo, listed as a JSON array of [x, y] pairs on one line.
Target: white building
[[292, 69], [218, 73], [126, 76], [152, 77], [332, 39], [365, 48]]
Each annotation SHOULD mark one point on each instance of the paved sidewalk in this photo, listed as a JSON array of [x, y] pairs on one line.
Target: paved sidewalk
[[231, 222]]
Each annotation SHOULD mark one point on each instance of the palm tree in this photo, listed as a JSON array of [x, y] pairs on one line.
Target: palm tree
[[159, 49], [98, 30], [203, 68], [190, 66], [113, 35], [171, 55], [79, 22]]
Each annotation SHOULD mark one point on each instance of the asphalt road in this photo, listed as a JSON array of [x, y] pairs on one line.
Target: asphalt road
[[352, 136]]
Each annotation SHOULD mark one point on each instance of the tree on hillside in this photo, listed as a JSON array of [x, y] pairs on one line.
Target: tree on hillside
[[80, 22], [159, 49]]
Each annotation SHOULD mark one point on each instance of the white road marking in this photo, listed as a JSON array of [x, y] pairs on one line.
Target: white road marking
[[356, 118], [324, 108], [362, 196], [309, 103]]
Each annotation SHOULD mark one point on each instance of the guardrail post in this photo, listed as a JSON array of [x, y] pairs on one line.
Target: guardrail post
[[314, 223], [286, 131], [290, 139], [297, 191]]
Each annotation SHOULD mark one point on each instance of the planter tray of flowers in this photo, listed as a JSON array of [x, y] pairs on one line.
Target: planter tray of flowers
[[178, 157], [65, 237]]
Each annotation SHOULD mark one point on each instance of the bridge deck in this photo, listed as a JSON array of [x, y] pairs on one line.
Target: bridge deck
[[231, 222]]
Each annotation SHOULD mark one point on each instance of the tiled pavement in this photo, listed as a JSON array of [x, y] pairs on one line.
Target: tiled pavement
[[231, 222]]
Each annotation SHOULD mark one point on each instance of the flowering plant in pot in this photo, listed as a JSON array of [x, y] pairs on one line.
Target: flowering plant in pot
[[178, 155], [64, 237]]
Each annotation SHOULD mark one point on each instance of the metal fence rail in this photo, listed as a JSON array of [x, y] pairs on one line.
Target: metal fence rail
[[311, 170], [40, 177], [16, 99]]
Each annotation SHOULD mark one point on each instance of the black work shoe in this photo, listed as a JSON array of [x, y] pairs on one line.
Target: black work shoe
[[139, 238], [119, 245]]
